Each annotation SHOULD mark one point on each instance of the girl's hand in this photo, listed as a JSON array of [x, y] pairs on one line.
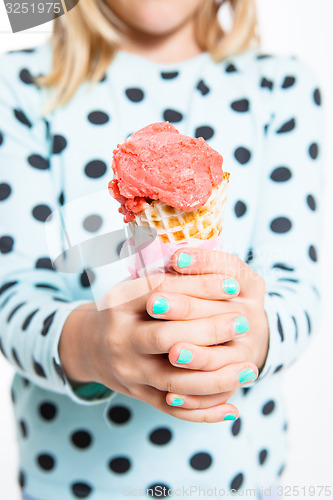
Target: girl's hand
[[237, 361], [122, 347]]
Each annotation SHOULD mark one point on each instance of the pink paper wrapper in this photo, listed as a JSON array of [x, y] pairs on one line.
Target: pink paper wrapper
[[154, 257]]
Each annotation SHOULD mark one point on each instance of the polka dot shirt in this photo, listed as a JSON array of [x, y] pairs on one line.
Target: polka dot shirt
[[263, 113]]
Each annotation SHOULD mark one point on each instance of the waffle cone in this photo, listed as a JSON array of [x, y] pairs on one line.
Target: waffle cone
[[174, 226]]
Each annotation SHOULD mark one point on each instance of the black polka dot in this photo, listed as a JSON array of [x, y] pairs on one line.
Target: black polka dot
[[308, 320], [296, 327], [13, 312], [81, 489], [242, 155], [160, 436], [278, 368], [263, 56], [265, 83], [61, 199], [39, 162], [317, 97], [289, 81], [280, 329], [314, 150], [23, 428], [48, 411], [201, 461], [287, 127], [7, 285], [281, 470], [92, 223], [119, 247], [44, 263], [16, 358], [249, 257], [47, 286], [268, 407], [120, 465], [39, 370], [1, 138], [205, 131], [119, 414], [2, 349], [41, 212], [5, 191], [22, 479], [87, 278], [263, 456], [284, 267], [313, 253], [172, 116], [242, 105], [169, 75], [203, 88], [135, 94], [25, 382], [98, 117], [231, 68], [158, 490], [81, 439], [95, 169], [311, 202], [236, 427], [59, 144], [237, 482], [46, 462], [28, 319], [22, 118], [240, 209], [47, 324], [281, 174], [6, 244], [281, 225], [26, 76], [59, 371]]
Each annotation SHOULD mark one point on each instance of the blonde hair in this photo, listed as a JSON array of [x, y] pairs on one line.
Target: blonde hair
[[85, 40]]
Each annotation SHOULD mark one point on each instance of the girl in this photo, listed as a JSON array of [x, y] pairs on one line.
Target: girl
[[113, 401]]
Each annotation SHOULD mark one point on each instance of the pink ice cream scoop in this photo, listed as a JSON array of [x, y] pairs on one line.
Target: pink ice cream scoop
[[159, 163]]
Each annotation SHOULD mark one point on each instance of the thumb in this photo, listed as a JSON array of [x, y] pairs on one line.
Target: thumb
[[131, 294]]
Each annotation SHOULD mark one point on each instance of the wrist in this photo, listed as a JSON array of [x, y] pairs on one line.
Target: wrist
[[74, 345]]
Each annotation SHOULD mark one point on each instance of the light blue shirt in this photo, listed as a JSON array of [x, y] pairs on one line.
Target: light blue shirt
[[264, 115]]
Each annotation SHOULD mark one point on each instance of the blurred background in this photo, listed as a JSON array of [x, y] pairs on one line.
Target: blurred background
[[302, 28]]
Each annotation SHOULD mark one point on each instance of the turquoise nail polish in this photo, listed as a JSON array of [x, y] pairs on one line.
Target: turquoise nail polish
[[230, 286], [177, 402], [185, 356], [229, 416], [241, 324], [160, 306], [184, 259], [246, 375]]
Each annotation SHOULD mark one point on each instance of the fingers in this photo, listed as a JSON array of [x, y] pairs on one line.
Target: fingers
[[205, 286], [197, 402], [158, 337], [194, 357], [212, 414], [200, 383], [182, 307], [199, 261]]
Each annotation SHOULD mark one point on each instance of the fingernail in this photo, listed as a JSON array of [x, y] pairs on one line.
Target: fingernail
[[185, 356], [230, 286], [177, 402], [184, 259], [246, 375], [241, 324], [160, 306], [230, 416]]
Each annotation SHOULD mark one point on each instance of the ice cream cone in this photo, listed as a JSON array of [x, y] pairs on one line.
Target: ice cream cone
[[176, 226]]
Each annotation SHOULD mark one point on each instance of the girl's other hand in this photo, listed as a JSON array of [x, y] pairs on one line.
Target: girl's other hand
[[124, 348]]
